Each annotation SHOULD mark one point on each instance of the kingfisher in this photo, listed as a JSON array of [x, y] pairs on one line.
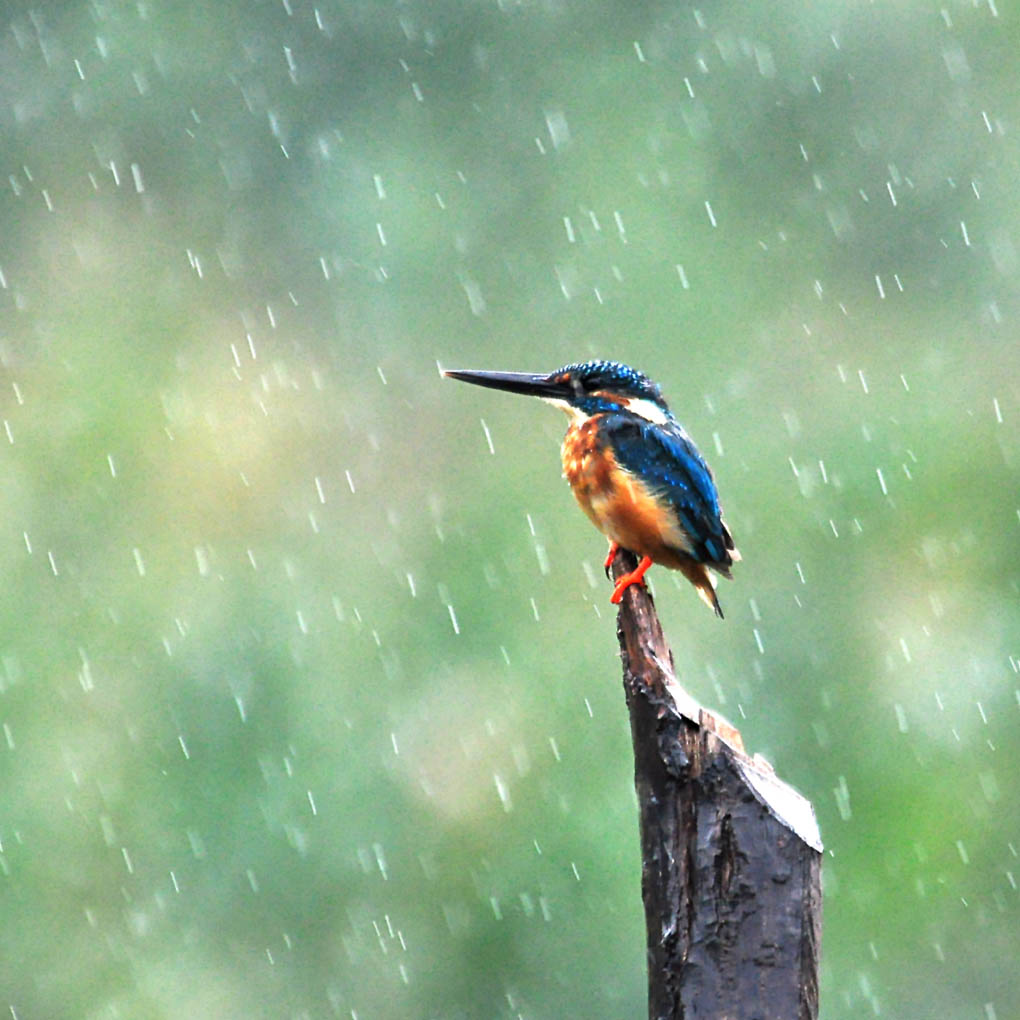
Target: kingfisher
[[633, 469]]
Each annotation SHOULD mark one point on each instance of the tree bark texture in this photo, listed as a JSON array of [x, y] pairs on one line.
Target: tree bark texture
[[731, 855]]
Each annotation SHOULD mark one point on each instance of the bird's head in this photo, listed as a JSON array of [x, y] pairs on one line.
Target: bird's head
[[583, 389]]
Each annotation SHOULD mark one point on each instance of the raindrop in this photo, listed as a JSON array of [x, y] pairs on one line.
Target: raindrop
[[503, 792], [488, 437], [473, 292], [842, 795], [989, 786], [559, 132], [543, 559]]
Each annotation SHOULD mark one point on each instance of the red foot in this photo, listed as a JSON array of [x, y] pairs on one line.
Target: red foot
[[636, 576], [614, 548]]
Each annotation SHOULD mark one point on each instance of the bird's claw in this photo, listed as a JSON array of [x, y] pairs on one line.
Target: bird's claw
[[614, 548], [624, 581]]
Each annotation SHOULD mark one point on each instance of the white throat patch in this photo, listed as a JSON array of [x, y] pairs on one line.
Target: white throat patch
[[575, 414]]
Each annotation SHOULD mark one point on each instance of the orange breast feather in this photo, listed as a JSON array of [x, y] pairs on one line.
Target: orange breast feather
[[617, 503], [586, 468]]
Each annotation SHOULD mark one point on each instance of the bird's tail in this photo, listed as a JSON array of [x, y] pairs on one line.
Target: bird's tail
[[708, 596], [698, 574]]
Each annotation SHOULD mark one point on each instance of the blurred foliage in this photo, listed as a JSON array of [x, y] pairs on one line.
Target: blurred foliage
[[309, 702]]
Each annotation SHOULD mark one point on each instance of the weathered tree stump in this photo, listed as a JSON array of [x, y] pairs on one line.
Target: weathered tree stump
[[731, 855]]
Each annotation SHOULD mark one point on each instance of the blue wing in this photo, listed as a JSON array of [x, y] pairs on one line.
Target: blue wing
[[666, 460]]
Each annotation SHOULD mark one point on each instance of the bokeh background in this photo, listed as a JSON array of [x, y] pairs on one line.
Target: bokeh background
[[309, 691]]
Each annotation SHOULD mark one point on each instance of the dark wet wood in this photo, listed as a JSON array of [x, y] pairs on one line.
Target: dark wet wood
[[731, 860]]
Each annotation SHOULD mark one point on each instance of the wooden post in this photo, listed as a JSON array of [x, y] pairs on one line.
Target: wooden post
[[731, 855]]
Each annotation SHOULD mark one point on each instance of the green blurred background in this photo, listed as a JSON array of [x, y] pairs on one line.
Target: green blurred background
[[309, 692]]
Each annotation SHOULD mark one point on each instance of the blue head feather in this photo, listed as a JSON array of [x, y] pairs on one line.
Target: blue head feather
[[608, 379]]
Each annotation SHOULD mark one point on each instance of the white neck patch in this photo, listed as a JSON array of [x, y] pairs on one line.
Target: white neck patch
[[647, 409]]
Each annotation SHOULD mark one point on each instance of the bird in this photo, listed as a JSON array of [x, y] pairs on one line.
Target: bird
[[633, 469]]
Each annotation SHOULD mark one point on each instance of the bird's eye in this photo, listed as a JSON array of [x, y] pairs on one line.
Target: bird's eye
[[576, 386]]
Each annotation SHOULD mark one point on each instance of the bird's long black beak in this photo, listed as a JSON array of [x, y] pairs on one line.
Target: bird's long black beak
[[529, 384]]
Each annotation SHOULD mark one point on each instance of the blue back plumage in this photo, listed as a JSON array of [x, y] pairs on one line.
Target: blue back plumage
[[668, 462]]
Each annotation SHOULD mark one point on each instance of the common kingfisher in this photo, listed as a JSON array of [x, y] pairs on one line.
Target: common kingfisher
[[633, 469]]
